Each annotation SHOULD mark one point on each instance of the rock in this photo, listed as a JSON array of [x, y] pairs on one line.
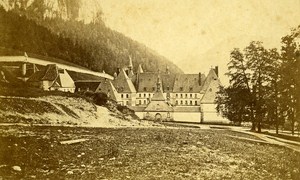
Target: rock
[[111, 159], [17, 168], [82, 165], [79, 156], [59, 131], [82, 154], [193, 147], [70, 172], [199, 143]]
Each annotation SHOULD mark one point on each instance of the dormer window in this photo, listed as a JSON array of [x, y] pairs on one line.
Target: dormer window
[[191, 88], [145, 89], [153, 88], [168, 88], [181, 88]]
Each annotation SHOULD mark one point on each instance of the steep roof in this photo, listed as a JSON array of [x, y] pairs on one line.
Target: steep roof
[[108, 88], [123, 84], [137, 108], [188, 83], [65, 80], [158, 106], [91, 85], [211, 76], [147, 82], [50, 73], [210, 92], [168, 81], [140, 69]]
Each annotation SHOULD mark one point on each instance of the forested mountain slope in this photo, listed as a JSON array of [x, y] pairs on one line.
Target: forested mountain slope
[[60, 30]]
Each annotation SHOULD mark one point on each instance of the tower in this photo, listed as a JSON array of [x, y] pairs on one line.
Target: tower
[[130, 68], [158, 84], [167, 70]]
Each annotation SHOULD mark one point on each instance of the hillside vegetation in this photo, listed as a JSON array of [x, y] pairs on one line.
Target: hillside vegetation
[[92, 45]]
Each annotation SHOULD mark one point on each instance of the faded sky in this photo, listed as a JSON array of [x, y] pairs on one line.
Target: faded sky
[[196, 34]]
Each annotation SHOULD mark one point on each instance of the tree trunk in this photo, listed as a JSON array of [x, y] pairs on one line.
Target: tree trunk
[[293, 122], [293, 128], [259, 127], [277, 127], [253, 128]]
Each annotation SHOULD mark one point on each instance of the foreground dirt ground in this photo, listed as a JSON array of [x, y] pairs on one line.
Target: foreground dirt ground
[[140, 153]]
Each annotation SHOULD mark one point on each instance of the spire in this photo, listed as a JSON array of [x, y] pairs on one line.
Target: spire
[[167, 70], [140, 69], [130, 66], [158, 84]]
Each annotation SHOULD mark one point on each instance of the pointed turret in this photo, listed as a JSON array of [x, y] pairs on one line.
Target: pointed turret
[[167, 70], [140, 69], [158, 95], [130, 66]]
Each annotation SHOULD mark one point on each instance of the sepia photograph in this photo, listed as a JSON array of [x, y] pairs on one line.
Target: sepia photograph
[[150, 89]]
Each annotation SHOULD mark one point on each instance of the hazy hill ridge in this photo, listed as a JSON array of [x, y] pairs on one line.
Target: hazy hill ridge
[[65, 29]]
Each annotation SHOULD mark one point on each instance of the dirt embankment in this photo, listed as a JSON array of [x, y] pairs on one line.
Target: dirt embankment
[[61, 110]]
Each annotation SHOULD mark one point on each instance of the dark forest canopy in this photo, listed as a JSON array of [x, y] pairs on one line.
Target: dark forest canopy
[[92, 45]]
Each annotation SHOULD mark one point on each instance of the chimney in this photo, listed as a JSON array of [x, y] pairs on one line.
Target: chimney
[[118, 71], [217, 70], [199, 79]]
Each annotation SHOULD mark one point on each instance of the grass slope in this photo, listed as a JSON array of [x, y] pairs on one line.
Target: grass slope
[[140, 154]]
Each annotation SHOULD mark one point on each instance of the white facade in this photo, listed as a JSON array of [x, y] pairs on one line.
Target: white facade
[[194, 117]]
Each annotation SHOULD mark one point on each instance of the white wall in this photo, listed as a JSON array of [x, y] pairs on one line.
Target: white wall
[[210, 114], [210, 117], [187, 116]]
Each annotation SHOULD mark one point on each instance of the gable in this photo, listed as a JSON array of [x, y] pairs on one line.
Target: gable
[[122, 83], [158, 106], [210, 93]]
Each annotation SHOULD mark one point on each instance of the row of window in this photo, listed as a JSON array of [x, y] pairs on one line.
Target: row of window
[[187, 103], [186, 95], [124, 95], [168, 95], [143, 101], [168, 88]]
